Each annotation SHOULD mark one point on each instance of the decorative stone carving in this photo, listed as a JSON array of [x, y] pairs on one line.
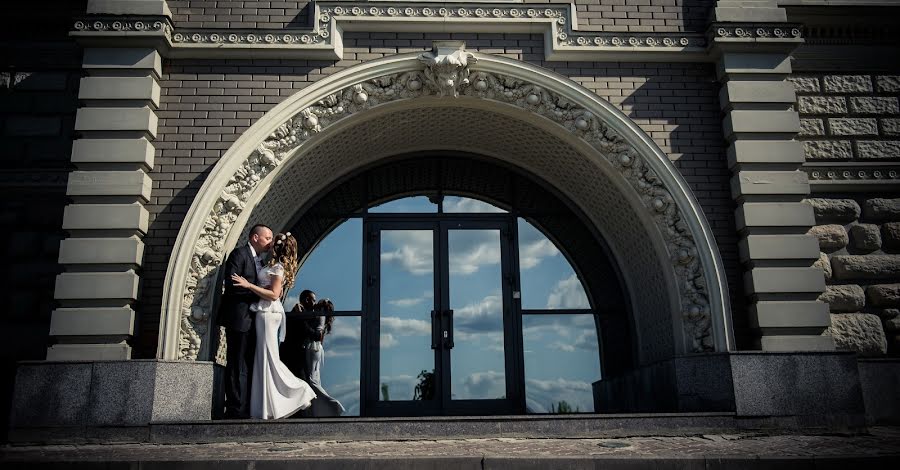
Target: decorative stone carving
[[446, 75], [447, 72], [860, 332], [850, 174]]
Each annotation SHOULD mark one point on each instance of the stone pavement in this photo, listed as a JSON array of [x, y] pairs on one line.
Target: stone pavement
[[879, 448]]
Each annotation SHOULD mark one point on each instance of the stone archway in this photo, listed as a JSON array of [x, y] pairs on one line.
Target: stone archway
[[451, 99]]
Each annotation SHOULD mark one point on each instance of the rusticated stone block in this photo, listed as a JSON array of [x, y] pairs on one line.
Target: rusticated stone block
[[822, 105], [889, 313], [831, 237], [891, 235], [847, 84], [888, 126], [884, 295], [834, 210], [805, 84], [853, 126], [874, 105], [866, 237], [892, 325], [825, 264], [860, 332], [878, 149], [888, 82], [812, 127], [882, 209], [866, 266], [827, 150], [846, 298]]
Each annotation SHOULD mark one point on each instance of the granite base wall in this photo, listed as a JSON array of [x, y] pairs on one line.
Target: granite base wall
[[119, 393]]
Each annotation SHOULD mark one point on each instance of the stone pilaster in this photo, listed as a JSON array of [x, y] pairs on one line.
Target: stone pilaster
[[106, 219], [753, 43]]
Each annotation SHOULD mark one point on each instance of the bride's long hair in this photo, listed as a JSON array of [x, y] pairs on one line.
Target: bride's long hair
[[284, 251]]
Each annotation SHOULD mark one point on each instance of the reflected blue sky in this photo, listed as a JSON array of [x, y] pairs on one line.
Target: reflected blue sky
[[561, 356]]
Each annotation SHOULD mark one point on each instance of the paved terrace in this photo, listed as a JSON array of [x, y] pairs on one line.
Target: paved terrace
[[878, 447]]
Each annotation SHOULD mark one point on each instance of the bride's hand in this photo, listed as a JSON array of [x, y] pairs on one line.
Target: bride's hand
[[240, 281]]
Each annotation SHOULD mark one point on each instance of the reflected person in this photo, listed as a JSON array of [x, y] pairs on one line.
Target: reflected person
[[324, 404]]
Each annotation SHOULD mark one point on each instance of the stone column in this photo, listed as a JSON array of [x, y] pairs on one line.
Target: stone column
[[753, 42], [106, 219]]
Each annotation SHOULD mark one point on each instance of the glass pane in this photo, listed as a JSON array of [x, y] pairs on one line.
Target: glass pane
[[547, 279], [334, 269], [415, 204], [455, 204], [340, 371], [407, 299], [562, 360], [477, 366]]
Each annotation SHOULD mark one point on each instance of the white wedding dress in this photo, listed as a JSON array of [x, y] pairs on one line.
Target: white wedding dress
[[275, 392]]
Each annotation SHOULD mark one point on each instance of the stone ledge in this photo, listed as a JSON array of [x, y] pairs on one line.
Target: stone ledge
[[100, 393]]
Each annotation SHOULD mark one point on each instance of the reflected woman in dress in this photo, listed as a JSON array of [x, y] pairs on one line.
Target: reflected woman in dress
[[324, 404], [274, 392]]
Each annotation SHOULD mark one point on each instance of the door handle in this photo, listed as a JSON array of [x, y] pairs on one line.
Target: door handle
[[448, 331], [434, 330]]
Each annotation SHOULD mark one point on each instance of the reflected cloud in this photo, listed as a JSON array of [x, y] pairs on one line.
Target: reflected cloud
[[487, 384], [469, 205], [404, 303], [480, 317], [568, 293], [542, 394], [405, 326], [413, 250]]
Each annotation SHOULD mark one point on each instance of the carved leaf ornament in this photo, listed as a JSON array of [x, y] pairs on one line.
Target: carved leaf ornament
[[445, 75]]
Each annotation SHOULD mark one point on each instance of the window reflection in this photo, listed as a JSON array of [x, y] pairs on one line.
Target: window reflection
[[547, 279], [407, 286], [334, 269], [340, 371], [415, 204], [459, 204], [562, 360]]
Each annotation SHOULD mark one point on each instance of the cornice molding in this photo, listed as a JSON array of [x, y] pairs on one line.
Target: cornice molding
[[324, 39], [853, 176]]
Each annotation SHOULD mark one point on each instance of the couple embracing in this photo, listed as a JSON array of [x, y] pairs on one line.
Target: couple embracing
[[257, 383]]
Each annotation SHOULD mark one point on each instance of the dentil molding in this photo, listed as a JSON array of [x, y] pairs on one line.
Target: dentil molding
[[324, 39]]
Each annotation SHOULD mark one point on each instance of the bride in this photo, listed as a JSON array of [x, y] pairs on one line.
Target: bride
[[274, 391]]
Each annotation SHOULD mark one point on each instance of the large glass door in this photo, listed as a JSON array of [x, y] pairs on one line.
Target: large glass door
[[440, 317]]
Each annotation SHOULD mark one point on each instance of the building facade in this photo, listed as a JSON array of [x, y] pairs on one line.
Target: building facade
[[721, 176]]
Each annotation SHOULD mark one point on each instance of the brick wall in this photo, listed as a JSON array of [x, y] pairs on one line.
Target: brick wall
[[206, 105], [603, 15]]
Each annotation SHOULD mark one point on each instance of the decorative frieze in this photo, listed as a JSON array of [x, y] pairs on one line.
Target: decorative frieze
[[331, 19]]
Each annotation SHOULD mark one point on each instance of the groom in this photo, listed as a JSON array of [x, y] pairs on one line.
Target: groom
[[237, 318]]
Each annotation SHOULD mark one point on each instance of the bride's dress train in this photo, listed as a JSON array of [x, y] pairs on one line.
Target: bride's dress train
[[275, 391]]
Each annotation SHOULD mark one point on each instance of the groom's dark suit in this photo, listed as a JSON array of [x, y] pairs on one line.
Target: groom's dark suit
[[237, 318]]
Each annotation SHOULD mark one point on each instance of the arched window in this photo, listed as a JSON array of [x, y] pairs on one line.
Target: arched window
[[515, 302], [462, 286]]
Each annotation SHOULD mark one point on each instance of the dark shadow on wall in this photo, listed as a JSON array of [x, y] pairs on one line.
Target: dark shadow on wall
[[682, 101]]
